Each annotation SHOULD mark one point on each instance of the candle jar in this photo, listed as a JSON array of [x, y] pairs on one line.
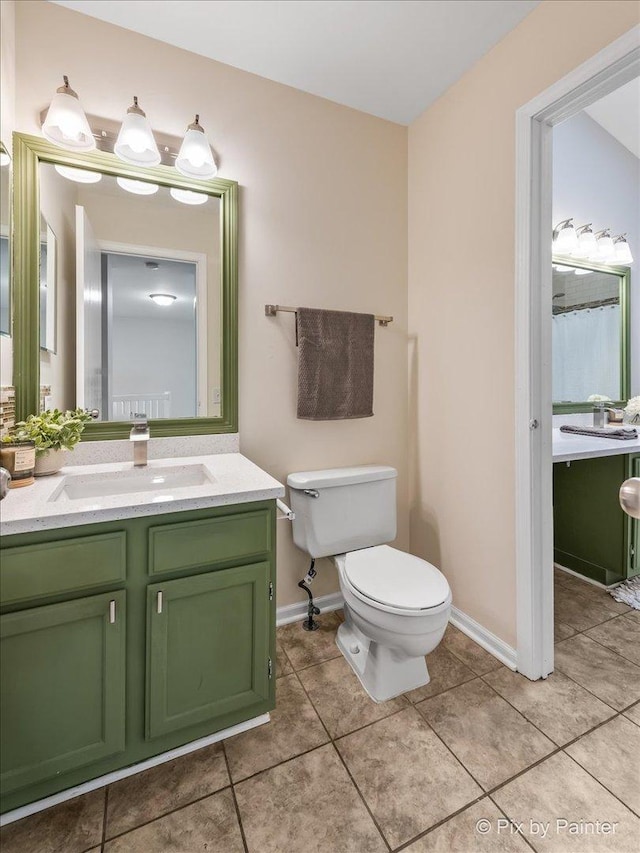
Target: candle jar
[[19, 458]]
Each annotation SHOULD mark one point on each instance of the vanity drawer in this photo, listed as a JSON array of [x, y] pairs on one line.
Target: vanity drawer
[[52, 568], [209, 541]]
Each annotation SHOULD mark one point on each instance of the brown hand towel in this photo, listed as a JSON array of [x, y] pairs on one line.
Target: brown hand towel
[[335, 364], [622, 433]]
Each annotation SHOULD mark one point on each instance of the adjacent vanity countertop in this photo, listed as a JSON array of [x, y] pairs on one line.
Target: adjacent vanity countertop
[[233, 479], [569, 447]]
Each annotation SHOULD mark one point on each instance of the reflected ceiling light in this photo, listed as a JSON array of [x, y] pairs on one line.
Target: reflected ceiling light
[[195, 158], [583, 272], [562, 268], [137, 187], [66, 124], [604, 241], [4, 158], [188, 196], [564, 237], [587, 246], [622, 251], [135, 143], [163, 299], [80, 176]]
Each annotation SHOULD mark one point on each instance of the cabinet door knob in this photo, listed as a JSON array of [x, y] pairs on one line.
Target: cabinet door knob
[[159, 602]]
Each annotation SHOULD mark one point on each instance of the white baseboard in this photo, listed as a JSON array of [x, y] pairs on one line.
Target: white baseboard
[[334, 601], [582, 577], [108, 778], [298, 611], [494, 645]]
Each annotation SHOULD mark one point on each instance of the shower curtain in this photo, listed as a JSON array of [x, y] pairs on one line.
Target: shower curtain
[[586, 354]]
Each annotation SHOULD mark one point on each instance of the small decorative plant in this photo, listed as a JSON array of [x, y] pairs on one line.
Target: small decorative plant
[[51, 430], [632, 411]]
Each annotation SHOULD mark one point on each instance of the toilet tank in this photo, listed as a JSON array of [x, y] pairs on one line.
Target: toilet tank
[[343, 509]]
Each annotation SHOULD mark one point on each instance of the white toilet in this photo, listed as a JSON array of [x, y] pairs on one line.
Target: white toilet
[[396, 605]]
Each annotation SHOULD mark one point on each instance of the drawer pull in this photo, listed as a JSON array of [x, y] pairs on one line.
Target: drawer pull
[[112, 611], [159, 602]]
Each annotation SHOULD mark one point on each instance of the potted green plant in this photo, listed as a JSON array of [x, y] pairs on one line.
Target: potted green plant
[[54, 433]]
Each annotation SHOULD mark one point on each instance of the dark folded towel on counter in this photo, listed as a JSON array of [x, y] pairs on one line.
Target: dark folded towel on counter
[[620, 433], [335, 364]]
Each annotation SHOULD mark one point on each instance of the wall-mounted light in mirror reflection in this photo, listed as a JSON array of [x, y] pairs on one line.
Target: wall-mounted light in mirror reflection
[[139, 298], [5, 241]]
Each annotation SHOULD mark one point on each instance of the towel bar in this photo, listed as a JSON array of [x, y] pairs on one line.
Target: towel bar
[[272, 310]]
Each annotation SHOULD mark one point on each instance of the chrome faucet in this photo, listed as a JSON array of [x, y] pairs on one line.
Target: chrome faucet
[[140, 436]]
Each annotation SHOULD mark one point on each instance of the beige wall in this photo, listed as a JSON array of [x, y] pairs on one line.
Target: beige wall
[[323, 222], [461, 301], [7, 119]]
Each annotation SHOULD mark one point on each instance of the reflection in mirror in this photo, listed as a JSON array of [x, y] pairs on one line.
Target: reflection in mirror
[[5, 241], [138, 297], [587, 335], [48, 326]]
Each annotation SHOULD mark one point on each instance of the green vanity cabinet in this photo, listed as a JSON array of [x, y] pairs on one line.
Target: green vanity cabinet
[[634, 526], [90, 686], [205, 650], [62, 679], [592, 535]]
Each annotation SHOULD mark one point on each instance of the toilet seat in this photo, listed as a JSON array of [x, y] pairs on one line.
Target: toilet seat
[[394, 580]]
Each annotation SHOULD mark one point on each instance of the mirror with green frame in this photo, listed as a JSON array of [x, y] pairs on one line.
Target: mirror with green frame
[[133, 274], [590, 334]]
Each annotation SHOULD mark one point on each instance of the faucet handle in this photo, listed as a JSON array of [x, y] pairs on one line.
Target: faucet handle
[[139, 420]]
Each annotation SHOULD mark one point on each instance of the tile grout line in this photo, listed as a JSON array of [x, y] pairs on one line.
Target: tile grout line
[[437, 825], [235, 800], [601, 783], [502, 811], [341, 759]]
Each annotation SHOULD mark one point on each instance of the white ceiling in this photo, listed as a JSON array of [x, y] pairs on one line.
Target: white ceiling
[[619, 114], [390, 58], [132, 283]]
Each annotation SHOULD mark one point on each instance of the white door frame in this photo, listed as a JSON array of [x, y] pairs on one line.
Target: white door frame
[[612, 67]]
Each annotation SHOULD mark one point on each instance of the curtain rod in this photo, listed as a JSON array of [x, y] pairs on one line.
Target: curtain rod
[[272, 310]]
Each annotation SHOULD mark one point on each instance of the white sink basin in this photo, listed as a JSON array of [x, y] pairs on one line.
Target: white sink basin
[[163, 480]]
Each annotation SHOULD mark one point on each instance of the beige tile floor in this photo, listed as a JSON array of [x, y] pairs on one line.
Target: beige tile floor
[[336, 773]]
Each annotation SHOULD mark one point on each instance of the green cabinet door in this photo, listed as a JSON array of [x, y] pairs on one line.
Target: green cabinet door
[[633, 567], [207, 646], [62, 684]]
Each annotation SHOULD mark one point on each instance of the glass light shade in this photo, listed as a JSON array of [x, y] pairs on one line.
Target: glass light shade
[[623, 252], [135, 143], [4, 158], [583, 272], [195, 158], [565, 240], [137, 187], [66, 124], [606, 250], [80, 176], [587, 245], [163, 299], [188, 196]]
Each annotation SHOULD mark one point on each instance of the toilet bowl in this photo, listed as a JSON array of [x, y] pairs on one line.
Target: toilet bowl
[[396, 605], [396, 610]]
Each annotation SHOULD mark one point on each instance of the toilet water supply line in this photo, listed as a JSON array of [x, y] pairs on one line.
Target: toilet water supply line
[[309, 623]]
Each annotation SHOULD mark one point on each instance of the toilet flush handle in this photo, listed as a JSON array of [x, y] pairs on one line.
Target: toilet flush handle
[[312, 493]]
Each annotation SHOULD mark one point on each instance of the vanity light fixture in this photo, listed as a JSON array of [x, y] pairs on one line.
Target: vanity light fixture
[[137, 187], [4, 158], [195, 158], [622, 251], [188, 196], [135, 143], [66, 124], [79, 176], [564, 237], [163, 299]]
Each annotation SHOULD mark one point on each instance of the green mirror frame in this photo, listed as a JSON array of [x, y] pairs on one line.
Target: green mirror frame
[[28, 152], [624, 274]]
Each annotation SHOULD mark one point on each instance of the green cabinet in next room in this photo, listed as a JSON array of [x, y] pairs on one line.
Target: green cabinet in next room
[[592, 535]]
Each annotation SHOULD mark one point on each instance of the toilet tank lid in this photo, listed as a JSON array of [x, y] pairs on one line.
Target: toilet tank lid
[[329, 477]]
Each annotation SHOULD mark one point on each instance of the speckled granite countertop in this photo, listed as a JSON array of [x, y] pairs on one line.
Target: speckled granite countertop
[[230, 478]]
